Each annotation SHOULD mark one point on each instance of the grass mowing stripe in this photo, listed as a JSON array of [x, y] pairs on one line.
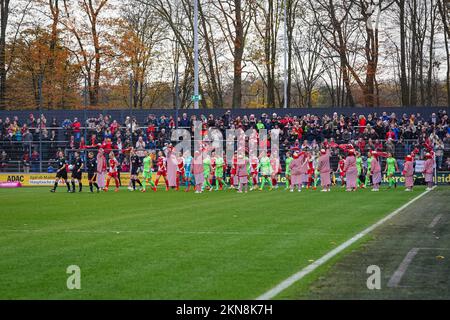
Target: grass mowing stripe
[[310, 268]]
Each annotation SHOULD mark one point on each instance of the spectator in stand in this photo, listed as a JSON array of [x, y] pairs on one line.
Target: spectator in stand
[[439, 152], [390, 146], [151, 130], [369, 146], [125, 165], [361, 144], [151, 144], [35, 158], [378, 145], [72, 143], [114, 127], [390, 134], [4, 159], [93, 141], [31, 122], [140, 148], [107, 146], [67, 124], [447, 164], [27, 140], [362, 123], [26, 162]]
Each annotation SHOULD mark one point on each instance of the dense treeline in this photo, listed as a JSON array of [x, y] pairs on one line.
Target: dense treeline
[[111, 53]]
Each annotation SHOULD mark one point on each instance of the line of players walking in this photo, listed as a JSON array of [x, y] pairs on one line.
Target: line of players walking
[[207, 171]]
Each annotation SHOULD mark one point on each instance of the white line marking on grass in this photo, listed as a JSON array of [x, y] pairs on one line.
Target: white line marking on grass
[[435, 221], [313, 266], [169, 232], [398, 274]]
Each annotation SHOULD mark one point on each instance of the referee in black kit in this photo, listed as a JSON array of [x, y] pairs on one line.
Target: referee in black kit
[[77, 168], [61, 172]]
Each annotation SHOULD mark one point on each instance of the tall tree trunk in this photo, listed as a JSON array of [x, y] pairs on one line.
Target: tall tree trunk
[[238, 54], [403, 76], [444, 10], [4, 23], [54, 9], [413, 93], [429, 88], [215, 92]]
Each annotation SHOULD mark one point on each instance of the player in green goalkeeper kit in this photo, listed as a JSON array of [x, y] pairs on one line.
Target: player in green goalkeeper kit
[[206, 172], [219, 172], [266, 170], [390, 169], [369, 161], [147, 173], [359, 168], [287, 173]]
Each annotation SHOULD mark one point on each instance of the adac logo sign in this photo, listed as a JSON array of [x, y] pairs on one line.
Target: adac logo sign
[[15, 178], [46, 179]]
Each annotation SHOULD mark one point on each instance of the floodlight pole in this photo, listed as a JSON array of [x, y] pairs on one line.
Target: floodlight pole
[[85, 107], [177, 86], [40, 121], [196, 54]]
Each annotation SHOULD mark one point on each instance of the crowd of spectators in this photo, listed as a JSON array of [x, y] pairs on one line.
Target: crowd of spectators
[[29, 140]]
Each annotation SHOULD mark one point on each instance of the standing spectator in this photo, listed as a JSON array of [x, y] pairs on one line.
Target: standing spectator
[[26, 162], [35, 161], [140, 148], [4, 159], [362, 123], [439, 151], [390, 146], [76, 129]]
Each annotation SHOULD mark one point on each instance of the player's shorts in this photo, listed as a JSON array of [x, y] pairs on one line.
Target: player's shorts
[[62, 175], [188, 174], [390, 172], [134, 171], [92, 175], [219, 173], [161, 173], [113, 174], [76, 175], [147, 174], [206, 174]]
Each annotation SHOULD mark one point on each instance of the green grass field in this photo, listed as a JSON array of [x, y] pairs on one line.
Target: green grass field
[[173, 245]]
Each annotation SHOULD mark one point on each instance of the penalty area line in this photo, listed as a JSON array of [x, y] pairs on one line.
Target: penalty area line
[[313, 266]]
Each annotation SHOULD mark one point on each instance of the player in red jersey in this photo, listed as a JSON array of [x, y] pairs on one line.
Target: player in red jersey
[[112, 171], [341, 171], [276, 168], [254, 161], [180, 171], [310, 170], [162, 169], [233, 176], [212, 175]]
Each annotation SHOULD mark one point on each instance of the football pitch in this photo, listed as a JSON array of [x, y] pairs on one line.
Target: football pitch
[[176, 245]]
